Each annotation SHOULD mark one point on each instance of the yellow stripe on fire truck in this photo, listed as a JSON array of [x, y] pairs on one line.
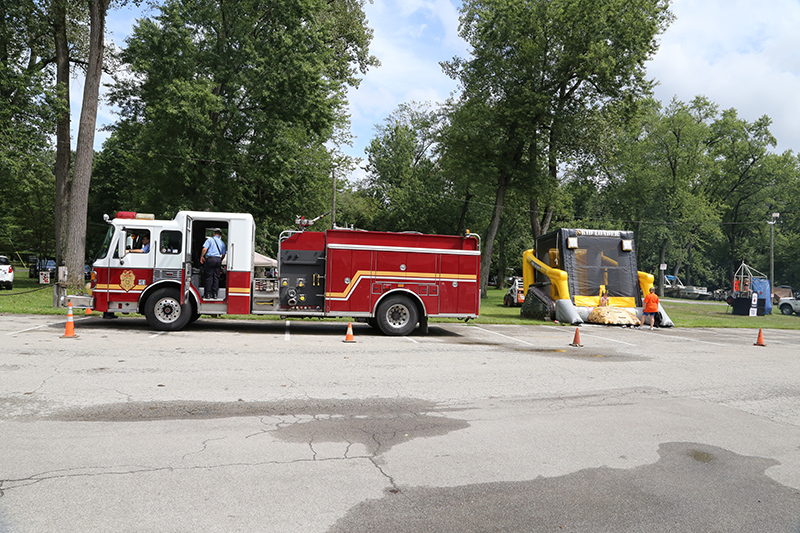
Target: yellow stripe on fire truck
[[106, 287], [398, 276]]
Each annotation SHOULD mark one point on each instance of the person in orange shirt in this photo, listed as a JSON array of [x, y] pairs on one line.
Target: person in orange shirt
[[651, 306]]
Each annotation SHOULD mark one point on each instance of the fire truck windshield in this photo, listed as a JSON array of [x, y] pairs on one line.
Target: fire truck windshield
[[103, 251]]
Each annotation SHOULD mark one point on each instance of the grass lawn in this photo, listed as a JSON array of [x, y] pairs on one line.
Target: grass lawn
[[28, 297], [718, 315]]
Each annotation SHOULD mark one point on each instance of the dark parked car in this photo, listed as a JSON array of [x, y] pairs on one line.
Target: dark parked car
[[42, 265]]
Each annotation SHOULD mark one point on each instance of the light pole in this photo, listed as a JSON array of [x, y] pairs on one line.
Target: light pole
[[333, 201], [772, 253]]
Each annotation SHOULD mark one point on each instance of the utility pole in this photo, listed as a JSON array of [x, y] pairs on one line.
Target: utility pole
[[333, 201], [772, 253]]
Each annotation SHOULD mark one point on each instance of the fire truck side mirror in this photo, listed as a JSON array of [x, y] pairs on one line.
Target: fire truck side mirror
[[121, 244]]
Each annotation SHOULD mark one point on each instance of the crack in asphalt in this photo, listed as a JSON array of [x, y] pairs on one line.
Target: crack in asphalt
[[376, 424], [11, 484], [204, 447]]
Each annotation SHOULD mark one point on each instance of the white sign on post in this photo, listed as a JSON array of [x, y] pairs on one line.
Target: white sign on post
[[44, 278], [754, 304]]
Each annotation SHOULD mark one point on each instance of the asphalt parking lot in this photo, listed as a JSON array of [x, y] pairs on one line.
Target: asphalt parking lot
[[240, 425]]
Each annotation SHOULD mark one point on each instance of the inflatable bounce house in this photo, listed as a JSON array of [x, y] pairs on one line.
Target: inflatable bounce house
[[585, 275]]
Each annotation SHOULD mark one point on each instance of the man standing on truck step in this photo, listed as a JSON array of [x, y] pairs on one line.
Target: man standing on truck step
[[211, 259]]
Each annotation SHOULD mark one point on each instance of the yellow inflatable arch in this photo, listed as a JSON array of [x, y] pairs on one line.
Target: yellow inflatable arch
[[579, 266]]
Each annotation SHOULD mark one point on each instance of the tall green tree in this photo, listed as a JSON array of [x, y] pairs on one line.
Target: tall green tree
[[26, 216], [78, 190], [38, 40], [468, 142], [28, 107], [543, 68], [743, 182], [787, 229], [404, 179], [656, 177], [229, 105]]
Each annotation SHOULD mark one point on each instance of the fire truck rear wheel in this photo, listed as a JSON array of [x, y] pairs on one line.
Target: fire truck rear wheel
[[397, 315], [164, 311]]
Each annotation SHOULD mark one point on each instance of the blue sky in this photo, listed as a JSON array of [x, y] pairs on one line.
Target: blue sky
[[740, 54]]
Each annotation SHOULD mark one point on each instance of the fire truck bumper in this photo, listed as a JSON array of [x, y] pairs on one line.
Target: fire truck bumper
[[79, 301]]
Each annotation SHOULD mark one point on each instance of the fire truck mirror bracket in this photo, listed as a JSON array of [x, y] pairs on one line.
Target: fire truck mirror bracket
[[121, 244]]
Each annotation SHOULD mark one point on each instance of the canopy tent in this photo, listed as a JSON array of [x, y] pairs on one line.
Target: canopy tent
[[782, 292], [259, 260], [264, 261]]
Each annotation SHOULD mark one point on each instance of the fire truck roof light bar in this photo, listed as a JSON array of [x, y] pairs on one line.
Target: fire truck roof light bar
[[134, 215]]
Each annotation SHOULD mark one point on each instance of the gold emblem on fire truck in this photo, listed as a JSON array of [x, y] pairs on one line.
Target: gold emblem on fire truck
[[127, 280]]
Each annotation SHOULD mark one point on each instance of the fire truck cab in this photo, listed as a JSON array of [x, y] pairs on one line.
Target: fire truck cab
[[394, 281]]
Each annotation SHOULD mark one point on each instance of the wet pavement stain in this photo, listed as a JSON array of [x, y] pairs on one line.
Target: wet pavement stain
[[308, 411], [377, 433], [692, 488], [584, 353], [701, 456], [377, 424]]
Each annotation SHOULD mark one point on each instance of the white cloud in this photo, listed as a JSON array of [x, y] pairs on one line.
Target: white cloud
[[740, 55], [410, 39]]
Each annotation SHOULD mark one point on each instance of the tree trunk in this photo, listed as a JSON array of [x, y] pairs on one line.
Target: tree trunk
[[501, 262], [462, 220], [84, 154], [536, 226], [62, 126], [539, 226], [689, 264], [679, 263], [486, 258]]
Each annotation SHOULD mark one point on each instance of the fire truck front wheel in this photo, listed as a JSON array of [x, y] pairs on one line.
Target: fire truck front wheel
[[164, 311], [397, 315]]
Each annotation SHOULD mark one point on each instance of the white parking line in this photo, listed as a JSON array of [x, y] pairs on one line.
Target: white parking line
[[506, 336], [46, 325], [693, 340], [157, 334], [415, 341], [607, 339]]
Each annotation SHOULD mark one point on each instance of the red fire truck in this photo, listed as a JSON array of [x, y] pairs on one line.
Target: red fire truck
[[394, 281]]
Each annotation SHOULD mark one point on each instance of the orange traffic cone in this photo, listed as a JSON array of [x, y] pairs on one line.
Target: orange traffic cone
[[70, 331], [760, 341], [349, 336], [88, 311], [576, 341]]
